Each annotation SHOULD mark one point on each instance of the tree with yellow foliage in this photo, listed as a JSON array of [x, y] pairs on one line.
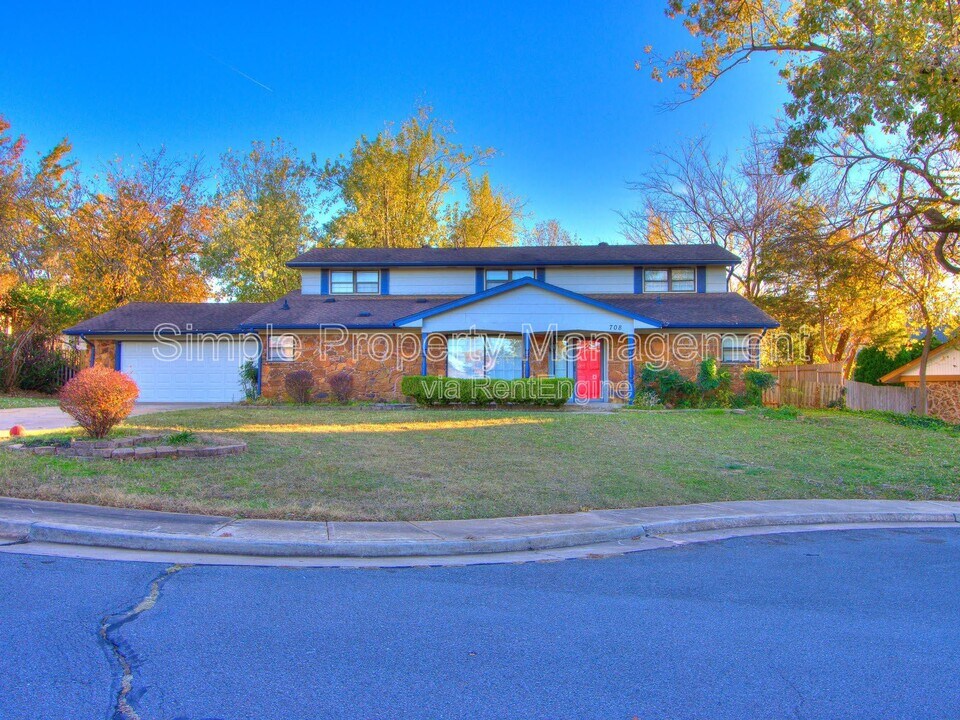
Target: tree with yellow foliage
[[395, 190], [139, 237]]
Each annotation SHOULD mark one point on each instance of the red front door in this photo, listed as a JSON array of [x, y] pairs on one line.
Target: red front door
[[589, 373]]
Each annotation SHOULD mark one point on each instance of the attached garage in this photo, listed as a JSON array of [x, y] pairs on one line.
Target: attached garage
[[210, 374]]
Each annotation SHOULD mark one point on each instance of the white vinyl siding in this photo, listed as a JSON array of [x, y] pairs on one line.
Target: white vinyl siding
[[310, 282], [537, 309], [591, 280], [944, 363], [716, 279], [433, 281]]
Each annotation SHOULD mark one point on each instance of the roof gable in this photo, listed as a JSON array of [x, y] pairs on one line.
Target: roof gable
[[943, 360], [480, 297]]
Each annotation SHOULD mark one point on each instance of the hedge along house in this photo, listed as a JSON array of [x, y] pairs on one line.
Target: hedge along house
[[597, 314]]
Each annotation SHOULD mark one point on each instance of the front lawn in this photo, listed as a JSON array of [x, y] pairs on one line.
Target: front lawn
[[8, 402], [323, 463]]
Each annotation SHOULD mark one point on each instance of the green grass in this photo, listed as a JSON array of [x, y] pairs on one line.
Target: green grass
[[324, 463], [9, 402]]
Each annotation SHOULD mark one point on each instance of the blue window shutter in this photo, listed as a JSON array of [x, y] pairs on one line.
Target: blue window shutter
[[479, 279], [118, 346], [385, 281], [541, 274], [324, 281], [638, 280], [93, 354], [701, 279]]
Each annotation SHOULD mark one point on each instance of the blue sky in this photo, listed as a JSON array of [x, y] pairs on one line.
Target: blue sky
[[551, 85]]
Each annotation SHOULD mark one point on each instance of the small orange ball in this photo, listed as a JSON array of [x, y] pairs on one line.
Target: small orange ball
[[17, 431]]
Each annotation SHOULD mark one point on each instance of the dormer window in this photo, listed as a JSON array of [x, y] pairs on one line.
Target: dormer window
[[670, 280], [501, 277], [354, 282]]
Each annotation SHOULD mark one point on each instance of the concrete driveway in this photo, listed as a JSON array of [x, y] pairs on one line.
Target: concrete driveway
[[53, 418]]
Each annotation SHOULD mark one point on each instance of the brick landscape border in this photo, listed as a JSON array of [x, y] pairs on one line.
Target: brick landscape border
[[141, 447]]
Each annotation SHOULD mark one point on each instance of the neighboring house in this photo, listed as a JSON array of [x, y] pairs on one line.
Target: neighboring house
[[597, 314], [943, 380]]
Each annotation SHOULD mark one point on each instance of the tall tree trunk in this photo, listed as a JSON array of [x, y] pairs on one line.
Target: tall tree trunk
[[924, 357]]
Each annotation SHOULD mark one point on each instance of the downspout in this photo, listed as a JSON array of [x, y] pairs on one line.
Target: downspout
[[260, 367], [763, 334]]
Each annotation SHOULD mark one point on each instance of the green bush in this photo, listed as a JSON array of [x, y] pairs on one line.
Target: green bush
[[755, 382], [673, 389], [435, 390], [874, 362], [714, 382], [249, 379]]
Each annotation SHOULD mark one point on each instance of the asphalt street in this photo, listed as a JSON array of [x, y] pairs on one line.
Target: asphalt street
[[854, 624]]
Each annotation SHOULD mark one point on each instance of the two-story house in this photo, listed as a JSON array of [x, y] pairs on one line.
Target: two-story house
[[597, 314]]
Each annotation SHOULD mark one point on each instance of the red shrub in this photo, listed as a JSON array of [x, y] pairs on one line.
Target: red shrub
[[299, 385], [98, 398], [341, 384]]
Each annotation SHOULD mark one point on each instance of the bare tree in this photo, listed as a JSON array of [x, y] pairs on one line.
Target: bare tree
[[694, 196], [549, 233]]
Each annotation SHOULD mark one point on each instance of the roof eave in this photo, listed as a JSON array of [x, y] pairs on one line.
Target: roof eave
[[307, 264]]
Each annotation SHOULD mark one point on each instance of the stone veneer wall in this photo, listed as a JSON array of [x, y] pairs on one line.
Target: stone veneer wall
[[378, 378], [105, 353], [943, 400], [377, 373]]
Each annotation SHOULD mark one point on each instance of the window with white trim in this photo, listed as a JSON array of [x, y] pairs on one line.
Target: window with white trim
[[664, 280], [485, 356], [736, 349], [282, 348], [501, 277], [354, 282]]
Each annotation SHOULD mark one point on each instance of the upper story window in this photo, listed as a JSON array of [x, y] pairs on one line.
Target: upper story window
[[661, 280], [499, 277], [354, 282]]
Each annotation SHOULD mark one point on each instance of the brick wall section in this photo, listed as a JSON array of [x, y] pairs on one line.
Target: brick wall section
[[943, 401], [375, 377], [105, 353], [378, 378], [684, 354]]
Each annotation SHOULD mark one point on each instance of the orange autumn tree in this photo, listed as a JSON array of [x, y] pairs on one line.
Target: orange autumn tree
[[139, 238]]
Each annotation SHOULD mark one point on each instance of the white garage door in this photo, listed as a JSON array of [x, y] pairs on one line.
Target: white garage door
[[204, 376]]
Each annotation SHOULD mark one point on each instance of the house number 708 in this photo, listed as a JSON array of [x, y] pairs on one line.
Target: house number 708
[[616, 327]]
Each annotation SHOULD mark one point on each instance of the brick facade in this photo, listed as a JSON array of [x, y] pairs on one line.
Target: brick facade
[[379, 369], [377, 372]]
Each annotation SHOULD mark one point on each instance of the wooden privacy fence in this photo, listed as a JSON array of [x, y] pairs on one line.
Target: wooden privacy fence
[[803, 394], [859, 396], [862, 396], [822, 373]]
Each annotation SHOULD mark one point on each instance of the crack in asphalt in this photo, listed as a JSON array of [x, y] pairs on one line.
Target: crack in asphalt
[[109, 627]]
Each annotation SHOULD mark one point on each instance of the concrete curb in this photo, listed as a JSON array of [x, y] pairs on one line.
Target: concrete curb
[[65, 534]]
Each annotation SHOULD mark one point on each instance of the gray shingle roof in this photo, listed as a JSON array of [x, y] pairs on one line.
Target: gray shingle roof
[[686, 310], [311, 311], [518, 256], [694, 310], [144, 318]]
